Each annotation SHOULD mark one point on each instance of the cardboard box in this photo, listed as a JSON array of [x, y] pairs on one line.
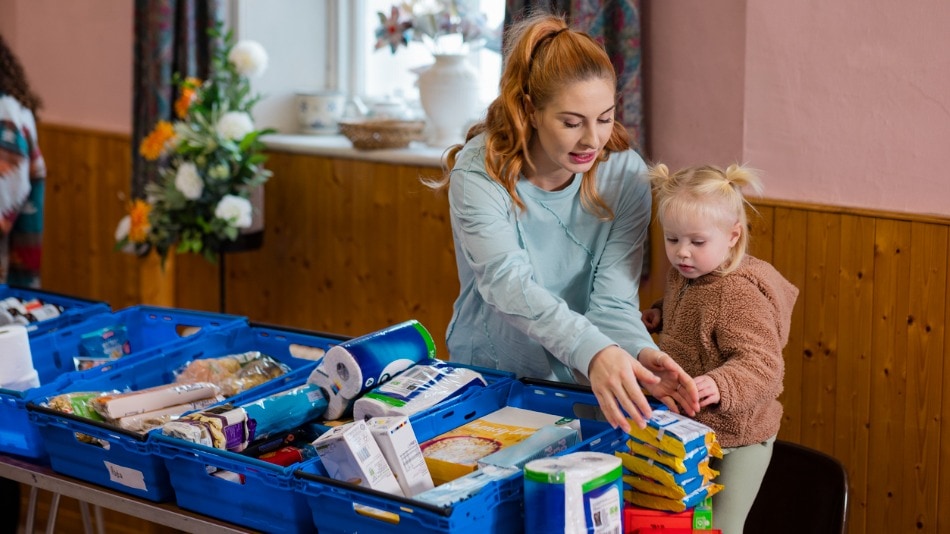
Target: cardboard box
[[639, 519], [397, 441], [456, 453], [350, 454]]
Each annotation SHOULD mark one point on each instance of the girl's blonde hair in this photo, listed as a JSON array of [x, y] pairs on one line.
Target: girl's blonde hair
[[710, 193], [542, 56]]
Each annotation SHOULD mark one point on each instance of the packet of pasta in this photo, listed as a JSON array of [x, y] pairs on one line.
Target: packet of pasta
[[662, 474], [676, 434], [657, 502], [676, 463]]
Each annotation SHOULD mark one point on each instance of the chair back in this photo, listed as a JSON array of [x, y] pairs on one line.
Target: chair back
[[804, 490]]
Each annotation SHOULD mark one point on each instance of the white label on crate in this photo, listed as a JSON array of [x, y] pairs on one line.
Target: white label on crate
[[132, 478]]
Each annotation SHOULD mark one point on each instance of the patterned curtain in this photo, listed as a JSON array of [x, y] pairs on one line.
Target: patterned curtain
[[616, 25], [171, 36]]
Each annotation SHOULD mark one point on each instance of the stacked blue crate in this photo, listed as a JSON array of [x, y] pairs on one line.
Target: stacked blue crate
[[338, 507], [262, 495], [149, 329], [124, 460]]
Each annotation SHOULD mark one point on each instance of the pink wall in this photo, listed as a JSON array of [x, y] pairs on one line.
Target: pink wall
[[78, 57], [843, 103]]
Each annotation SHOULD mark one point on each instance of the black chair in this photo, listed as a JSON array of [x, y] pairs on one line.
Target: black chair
[[804, 490]]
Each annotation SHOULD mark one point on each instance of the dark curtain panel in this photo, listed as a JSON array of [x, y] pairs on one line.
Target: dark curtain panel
[[616, 25], [171, 36]]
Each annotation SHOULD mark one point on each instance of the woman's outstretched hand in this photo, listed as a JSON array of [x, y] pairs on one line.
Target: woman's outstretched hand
[[675, 389], [616, 378]]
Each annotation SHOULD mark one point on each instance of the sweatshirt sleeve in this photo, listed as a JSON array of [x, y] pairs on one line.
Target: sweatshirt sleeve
[[615, 301]]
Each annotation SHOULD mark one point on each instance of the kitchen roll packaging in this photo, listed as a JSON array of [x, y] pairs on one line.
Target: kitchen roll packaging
[[354, 367], [16, 359], [359, 364], [577, 493], [415, 389]]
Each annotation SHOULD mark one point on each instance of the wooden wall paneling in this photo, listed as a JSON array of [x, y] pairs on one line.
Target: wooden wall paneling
[[820, 330], [853, 384], [299, 243], [925, 374], [790, 230], [86, 193], [431, 275], [653, 282], [761, 229], [891, 307], [360, 246], [195, 282], [279, 283], [943, 469]]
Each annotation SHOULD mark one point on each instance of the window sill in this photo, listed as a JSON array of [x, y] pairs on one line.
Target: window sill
[[340, 147]]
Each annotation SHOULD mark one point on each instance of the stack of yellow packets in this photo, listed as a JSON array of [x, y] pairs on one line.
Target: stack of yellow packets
[[667, 466]]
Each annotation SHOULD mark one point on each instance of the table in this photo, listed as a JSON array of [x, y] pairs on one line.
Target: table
[[168, 514]]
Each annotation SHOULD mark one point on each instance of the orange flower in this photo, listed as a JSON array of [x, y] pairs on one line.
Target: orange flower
[[138, 213], [187, 96], [154, 143]]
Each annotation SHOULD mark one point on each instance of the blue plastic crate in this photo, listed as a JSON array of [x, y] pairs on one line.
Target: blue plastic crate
[[496, 508], [75, 309], [267, 497], [125, 462], [150, 329]]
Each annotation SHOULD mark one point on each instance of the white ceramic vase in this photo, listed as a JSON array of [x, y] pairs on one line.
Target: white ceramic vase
[[448, 90]]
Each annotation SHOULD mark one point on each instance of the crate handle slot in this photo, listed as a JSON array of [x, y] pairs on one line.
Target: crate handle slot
[[303, 352], [224, 475], [186, 330], [376, 513]]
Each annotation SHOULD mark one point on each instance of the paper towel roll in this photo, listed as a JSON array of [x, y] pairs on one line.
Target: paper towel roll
[[415, 389], [560, 491], [16, 360], [337, 406], [359, 364], [29, 381]]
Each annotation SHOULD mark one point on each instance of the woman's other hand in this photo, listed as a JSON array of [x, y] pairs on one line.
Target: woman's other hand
[[675, 389], [616, 378]]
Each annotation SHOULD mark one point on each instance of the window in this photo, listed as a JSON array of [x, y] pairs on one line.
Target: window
[[329, 44]]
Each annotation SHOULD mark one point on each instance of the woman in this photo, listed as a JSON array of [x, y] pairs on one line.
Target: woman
[[549, 214], [22, 175]]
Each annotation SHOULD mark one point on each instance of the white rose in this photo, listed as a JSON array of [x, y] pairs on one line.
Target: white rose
[[249, 58], [122, 229], [234, 209], [188, 181], [234, 125]]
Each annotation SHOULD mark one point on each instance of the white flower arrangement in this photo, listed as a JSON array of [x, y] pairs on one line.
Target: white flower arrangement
[[211, 157]]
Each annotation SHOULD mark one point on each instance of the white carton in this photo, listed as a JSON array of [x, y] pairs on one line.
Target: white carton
[[350, 454], [397, 440]]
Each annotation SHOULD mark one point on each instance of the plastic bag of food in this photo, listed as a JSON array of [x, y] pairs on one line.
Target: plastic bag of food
[[233, 373]]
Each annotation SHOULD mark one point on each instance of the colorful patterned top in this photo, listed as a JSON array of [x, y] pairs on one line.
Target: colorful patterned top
[[22, 180]]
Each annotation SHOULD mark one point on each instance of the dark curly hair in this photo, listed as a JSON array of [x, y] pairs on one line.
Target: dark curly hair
[[13, 79]]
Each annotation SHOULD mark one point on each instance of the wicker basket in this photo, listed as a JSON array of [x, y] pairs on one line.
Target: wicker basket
[[368, 134]]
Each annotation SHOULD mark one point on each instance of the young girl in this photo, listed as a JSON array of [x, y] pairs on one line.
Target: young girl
[[724, 318]]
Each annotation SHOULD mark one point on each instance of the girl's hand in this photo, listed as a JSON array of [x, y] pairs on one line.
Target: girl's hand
[[708, 390], [676, 388], [616, 378], [651, 319]]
